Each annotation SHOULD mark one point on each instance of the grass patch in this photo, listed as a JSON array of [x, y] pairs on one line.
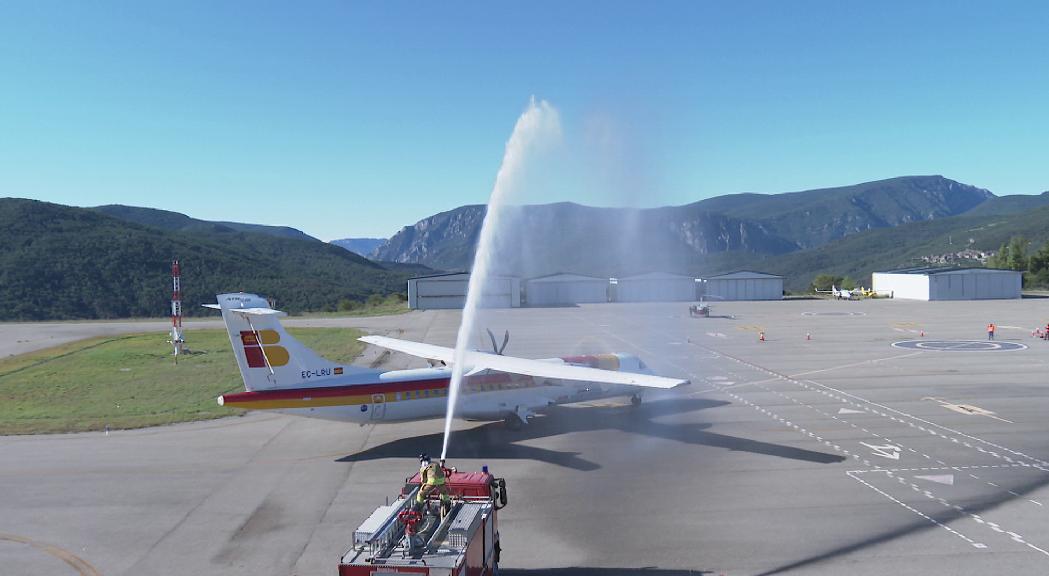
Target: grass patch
[[374, 306], [131, 381]]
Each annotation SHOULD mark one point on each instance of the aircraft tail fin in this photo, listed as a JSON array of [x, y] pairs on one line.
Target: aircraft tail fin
[[269, 357]]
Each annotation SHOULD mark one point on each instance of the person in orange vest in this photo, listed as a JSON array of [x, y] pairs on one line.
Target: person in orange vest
[[990, 331]]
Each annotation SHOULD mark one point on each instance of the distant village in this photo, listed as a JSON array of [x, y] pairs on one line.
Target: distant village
[[960, 257]]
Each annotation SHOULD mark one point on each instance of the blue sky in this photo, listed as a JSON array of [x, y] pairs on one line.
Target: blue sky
[[356, 118]]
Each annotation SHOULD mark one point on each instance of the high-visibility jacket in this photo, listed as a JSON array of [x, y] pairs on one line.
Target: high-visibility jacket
[[432, 474]]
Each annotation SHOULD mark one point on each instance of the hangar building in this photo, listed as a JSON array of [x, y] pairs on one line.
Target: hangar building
[[949, 283], [565, 289], [656, 287], [745, 285], [443, 291]]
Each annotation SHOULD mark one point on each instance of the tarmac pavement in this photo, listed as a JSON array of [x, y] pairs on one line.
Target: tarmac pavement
[[822, 450]]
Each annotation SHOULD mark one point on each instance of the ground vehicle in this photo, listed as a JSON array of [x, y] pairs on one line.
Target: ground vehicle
[[403, 538], [702, 309]]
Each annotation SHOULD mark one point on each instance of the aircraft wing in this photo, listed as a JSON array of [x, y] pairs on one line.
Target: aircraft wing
[[475, 360]]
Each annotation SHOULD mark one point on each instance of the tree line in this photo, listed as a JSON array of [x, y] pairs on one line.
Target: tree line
[[1014, 255]]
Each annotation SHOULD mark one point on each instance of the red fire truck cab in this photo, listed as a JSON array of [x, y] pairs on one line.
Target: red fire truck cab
[[408, 537]]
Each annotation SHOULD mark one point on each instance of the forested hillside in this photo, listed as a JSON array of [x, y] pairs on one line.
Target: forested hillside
[[858, 255], [60, 262]]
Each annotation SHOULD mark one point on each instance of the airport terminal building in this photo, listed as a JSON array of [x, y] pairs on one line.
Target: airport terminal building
[[744, 285], [949, 283]]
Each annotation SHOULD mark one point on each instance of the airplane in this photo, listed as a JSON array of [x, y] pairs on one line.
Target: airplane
[[872, 293], [841, 294], [283, 375]]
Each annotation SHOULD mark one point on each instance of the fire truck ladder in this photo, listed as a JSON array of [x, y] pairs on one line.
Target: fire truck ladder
[[381, 540]]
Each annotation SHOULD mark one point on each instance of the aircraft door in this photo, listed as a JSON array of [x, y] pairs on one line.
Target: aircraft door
[[378, 406]]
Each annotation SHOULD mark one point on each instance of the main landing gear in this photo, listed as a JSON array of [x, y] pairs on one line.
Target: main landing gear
[[635, 400]]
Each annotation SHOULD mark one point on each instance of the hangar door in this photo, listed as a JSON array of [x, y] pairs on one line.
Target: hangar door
[[441, 293]]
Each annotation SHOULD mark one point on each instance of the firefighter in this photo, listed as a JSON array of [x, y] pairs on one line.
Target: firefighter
[[433, 479], [990, 331]]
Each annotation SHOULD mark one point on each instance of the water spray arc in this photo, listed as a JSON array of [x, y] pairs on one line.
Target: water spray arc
[[538, 124]]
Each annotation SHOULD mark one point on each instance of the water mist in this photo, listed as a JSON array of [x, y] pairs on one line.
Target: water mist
[[538, 124]]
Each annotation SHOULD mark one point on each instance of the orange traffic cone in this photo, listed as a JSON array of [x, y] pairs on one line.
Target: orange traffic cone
[[761, 336]]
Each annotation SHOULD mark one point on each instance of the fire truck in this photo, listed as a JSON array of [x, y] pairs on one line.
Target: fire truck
[[406, 537]]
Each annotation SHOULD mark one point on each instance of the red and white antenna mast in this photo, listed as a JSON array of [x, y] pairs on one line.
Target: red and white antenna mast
[[176, 310]]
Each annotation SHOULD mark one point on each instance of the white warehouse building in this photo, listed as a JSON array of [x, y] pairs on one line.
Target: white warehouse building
[[656, 287], [949, 283], [565, 289], [744, 285], [448, 291]]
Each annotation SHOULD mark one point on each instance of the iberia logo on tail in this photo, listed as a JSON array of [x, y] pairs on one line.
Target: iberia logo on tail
[[259, 347]]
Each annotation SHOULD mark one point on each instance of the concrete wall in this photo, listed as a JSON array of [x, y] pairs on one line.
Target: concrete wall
[[909, 286], [745, 288]]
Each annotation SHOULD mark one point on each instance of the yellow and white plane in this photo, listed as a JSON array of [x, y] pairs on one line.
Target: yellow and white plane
[[841, 293], [283, 375]]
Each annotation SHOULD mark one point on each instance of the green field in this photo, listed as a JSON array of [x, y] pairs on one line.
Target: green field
[[131, 381], [374, 306]]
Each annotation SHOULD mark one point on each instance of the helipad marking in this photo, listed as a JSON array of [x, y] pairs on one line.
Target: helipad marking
[[945, 479], [959, 345]]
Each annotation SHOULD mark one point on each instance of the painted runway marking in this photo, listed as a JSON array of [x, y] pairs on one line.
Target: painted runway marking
[[890, 451], [868, 406], [82, 567], [850, 411], [971, 542], [853, 364], [968, 409], [946, 479], [959, 345], [833, 313]]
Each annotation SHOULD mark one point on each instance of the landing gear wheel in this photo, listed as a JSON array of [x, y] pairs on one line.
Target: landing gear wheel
[[512, 422], [635, 400]]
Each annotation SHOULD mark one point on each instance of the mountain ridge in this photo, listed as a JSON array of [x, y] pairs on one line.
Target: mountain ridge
[[679, 235]]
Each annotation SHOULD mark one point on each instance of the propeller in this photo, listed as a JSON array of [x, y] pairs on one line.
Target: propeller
[[498, 349]]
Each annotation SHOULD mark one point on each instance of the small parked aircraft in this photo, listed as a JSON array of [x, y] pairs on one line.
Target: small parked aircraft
[[841, 294], [872, 293], [283, 375]]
